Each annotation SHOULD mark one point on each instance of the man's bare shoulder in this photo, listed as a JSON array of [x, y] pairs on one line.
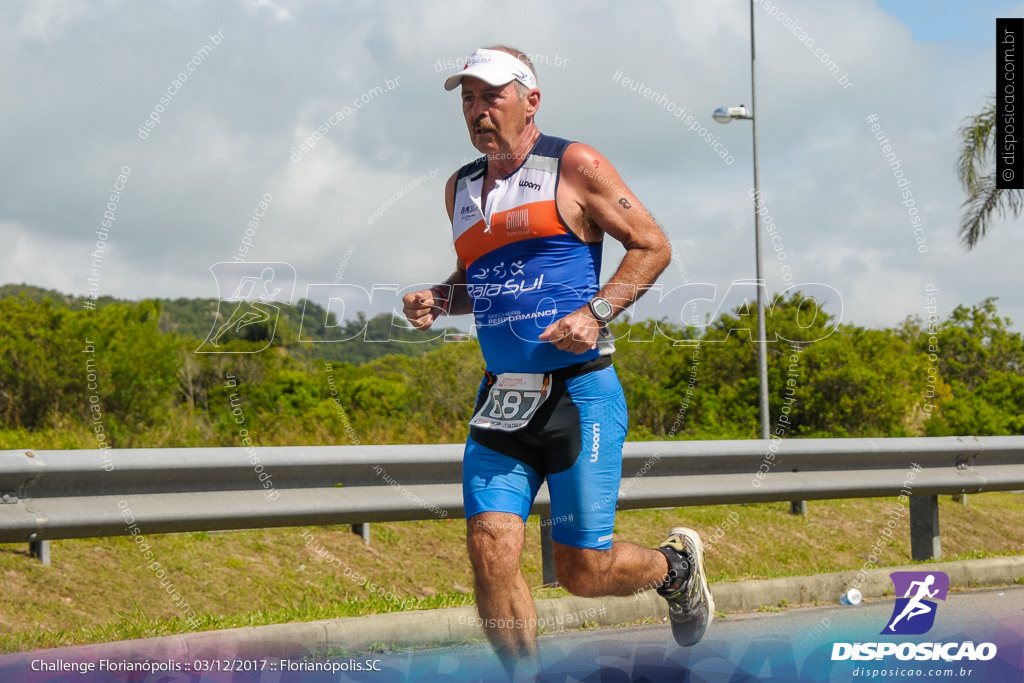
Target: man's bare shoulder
[[449, 195], [578, 153], [588, 173], [585, 167]]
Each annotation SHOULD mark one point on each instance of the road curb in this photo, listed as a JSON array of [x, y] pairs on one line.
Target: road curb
[[460, 624]]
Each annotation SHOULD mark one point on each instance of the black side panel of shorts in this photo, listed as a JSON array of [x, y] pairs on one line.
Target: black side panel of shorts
[[560, 435], [550, 443]]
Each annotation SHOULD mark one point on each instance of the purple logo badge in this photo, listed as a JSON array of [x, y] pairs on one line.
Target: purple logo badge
[[914, 613]]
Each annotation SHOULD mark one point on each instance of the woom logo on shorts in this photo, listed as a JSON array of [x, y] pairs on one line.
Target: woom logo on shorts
[[914, 614]]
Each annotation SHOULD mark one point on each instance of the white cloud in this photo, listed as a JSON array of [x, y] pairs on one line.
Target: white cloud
[[82, 81]]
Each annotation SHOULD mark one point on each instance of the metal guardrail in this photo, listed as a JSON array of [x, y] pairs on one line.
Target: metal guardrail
[[47, 495]]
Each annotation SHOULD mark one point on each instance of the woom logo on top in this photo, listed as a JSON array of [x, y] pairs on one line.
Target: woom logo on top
[[914, 614]]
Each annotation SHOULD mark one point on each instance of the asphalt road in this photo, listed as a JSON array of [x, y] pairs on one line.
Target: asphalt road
[[792, 645]]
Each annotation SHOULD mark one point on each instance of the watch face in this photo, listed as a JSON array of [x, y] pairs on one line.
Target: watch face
[[602, 309]]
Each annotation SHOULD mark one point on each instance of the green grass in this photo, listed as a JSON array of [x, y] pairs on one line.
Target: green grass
[[136, 624], [100, 589]]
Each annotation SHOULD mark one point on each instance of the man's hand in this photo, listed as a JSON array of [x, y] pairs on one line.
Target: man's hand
[[422, 308], [576, 332]]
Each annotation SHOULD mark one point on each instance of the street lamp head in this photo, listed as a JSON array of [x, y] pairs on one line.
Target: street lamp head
[[727, 114]]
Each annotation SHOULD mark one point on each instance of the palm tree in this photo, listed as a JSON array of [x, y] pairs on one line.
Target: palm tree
[[984, 199]]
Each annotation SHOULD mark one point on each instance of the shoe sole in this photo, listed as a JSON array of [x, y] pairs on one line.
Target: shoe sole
[[698, 560]]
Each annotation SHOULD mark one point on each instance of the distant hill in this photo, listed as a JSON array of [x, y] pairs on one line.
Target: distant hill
[[38, 294], [366, 339]]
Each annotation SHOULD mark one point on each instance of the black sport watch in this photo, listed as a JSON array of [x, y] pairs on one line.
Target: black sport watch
[[601, 309]]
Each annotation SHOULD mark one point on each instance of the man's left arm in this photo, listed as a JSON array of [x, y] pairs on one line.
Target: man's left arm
[[598, 201]]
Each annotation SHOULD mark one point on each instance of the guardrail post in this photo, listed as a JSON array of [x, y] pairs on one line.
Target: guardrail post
[[362, 529], [925, 543], [40, 549], [547, 550], [798, 507]]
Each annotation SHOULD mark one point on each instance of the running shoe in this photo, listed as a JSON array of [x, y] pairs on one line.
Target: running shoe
[[690, 605]]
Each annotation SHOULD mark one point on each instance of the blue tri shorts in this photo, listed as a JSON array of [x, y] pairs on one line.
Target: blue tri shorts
[[574, 441]]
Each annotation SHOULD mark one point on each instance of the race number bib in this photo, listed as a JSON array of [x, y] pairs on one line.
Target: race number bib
[[514, 398]]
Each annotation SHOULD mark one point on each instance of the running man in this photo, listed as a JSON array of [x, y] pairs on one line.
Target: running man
[[528, 219], [915, 607]]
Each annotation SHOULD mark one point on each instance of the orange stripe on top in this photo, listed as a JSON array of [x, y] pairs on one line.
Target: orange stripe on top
[[539, 219]]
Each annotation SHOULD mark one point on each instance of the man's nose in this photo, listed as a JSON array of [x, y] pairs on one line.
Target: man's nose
[[478, 110]]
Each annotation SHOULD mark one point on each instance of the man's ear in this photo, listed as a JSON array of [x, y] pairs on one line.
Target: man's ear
[[532, 102]]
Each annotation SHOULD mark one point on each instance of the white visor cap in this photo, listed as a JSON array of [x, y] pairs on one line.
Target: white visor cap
[[495, 68]]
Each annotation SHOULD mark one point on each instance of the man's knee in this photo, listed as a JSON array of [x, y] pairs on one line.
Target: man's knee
[[495, 543]]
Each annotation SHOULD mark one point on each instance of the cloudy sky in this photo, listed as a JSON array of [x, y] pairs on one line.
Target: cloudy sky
[[79, 81]]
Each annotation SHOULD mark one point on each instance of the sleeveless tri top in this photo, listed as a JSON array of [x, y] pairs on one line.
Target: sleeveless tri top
[[524, 267]]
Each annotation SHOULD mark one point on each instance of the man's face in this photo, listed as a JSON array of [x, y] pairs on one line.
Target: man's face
[[494, 114]]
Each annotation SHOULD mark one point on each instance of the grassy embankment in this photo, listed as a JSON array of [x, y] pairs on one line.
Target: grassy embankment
[[100, 590]]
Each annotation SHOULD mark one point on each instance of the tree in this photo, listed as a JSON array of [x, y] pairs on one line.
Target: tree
[[984, 200], [859, 383], [39, 364], [975, 342], [983, 361]]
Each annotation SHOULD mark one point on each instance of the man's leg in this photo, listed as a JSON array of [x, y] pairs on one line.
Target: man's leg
[[499, 491], [583, 495], [495, 541], [583, 499], [623, 569], [675, 571]]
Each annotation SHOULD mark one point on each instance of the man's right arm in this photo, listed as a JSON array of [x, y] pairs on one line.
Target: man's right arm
[[451, 297], [424, 307], [456, 293]]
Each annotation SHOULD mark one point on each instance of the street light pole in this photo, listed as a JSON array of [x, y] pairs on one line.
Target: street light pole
[[726, 115], [762, 345]]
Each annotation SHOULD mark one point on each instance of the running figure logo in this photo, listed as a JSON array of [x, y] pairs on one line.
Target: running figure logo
[[913, 614], [255, 289]]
